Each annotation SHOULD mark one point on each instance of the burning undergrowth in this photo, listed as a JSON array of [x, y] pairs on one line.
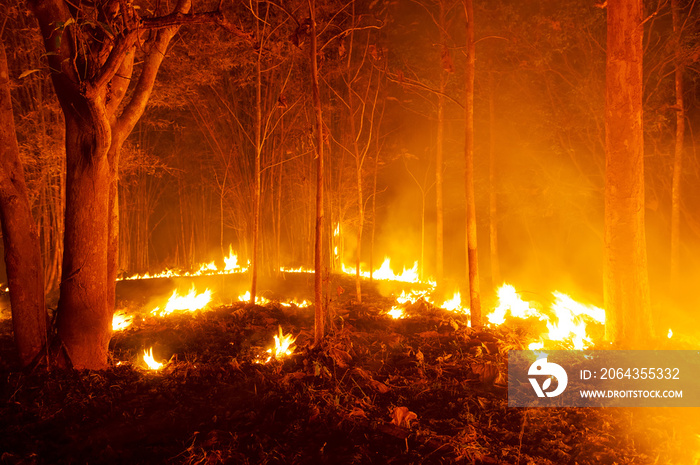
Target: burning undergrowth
[[424, 388]]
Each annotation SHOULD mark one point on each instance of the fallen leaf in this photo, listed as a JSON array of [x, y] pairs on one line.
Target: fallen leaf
[[402, 417]]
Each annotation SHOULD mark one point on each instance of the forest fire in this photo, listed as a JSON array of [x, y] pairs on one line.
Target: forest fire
[[341, 225], [190, 302]]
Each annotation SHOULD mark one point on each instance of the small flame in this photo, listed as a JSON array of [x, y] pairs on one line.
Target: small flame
[[150, 361], [121, 321], [396, 313], [258, 300], [670, 333], [509, 301], [294, 302], [284, 344], [571, 324], [454, 304], [190, 302], [284, 347], [413, 296]]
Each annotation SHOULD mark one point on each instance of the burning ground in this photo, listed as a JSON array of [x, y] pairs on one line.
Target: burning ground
[[420, 388]]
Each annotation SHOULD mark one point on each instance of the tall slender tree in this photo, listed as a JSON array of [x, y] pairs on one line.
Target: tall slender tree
[[318, 240], [472, 257], [625, 281], [678, 150]]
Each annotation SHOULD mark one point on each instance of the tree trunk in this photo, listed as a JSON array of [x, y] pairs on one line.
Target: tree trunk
[[472, 258], [84, 320], [626, 282], [257, 184], [678, 153], [439, 208], [493, 199], [318, 244], [20, 237]]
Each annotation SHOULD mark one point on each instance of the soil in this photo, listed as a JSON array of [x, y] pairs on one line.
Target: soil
[[423, 389]]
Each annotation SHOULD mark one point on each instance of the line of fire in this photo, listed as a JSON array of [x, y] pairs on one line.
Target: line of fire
[[311, 231]]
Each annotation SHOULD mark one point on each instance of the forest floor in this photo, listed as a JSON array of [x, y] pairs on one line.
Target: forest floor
[[423, 389]]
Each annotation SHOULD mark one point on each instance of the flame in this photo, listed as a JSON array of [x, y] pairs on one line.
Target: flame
[[300, 269], [150, 362], [568, 324], [385, 273], [121, 321], [670, 333], [455, 304], [571, 323], [295, 302], [230, 262], [190, 302], [509, 300], [258, 299], [396, 313], [284, 347], [413, 296], [284, 344]]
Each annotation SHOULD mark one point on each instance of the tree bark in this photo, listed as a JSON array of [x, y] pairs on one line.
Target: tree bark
[[472, 257], [20, 236], [625, 281]]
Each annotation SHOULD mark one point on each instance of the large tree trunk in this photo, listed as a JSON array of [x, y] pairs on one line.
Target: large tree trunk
[[678, 153], [318, 244], [84, 314], [97, 124], [20, 237], [626, 282], [472, 257]]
